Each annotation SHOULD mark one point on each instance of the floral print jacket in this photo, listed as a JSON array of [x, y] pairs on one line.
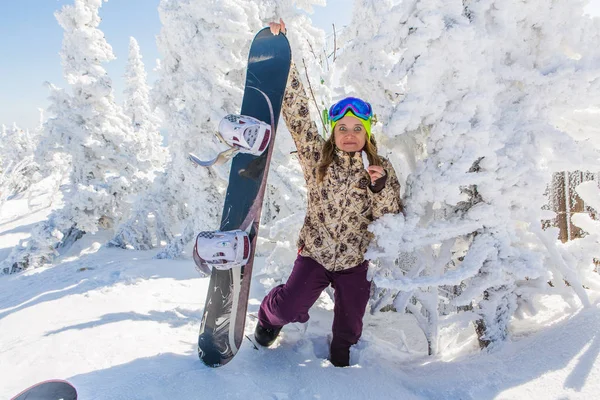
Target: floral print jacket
[[341, 207]]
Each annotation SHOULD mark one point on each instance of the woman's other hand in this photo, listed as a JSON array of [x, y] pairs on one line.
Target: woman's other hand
[[375, 172]]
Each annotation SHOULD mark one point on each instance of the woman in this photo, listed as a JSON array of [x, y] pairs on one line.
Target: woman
[[344, 196]]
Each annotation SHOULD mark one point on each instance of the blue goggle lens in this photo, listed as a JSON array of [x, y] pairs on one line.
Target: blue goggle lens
[[359, 107]]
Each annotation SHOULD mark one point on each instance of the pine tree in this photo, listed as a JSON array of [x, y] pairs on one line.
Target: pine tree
[[18, 170], [94, 133], [16, 144], [146, 124], [135, 231]]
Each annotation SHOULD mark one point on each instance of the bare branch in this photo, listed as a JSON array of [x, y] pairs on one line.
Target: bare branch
[[334, 42], [313, 94], [313, 53]]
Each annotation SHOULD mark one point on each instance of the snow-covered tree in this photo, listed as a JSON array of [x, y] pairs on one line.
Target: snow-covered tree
[[468, 93], [146, 124], [16, 143], [146, 128], [18, 169], [98, 135], [95, 135]]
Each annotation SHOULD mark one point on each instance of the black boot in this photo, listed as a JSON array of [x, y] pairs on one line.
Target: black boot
[[265, 336]]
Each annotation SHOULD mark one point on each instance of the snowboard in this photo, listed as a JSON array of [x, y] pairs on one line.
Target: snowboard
[[55, 389], [224, 317]]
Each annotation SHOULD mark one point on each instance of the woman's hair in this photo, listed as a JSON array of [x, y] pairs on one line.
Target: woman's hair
[[328, 153]]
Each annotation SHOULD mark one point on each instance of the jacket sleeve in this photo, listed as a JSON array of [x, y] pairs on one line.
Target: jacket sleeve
[[297, 118], [387, 200]]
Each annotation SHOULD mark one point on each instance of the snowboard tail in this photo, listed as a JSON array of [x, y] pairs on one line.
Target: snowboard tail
[[224, 317]]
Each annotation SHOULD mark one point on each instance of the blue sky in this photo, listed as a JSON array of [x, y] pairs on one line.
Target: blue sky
[[30, 40]]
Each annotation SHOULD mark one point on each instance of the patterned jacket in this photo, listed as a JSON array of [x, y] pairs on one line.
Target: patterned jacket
[[341, 207]]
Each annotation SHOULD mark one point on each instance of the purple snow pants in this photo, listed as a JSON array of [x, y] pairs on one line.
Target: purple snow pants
[[290, 302]]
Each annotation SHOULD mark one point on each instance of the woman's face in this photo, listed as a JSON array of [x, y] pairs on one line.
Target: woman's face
[[350, 134]]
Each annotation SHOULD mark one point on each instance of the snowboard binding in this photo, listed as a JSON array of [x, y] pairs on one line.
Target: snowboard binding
[[243, 134], [221, 250]]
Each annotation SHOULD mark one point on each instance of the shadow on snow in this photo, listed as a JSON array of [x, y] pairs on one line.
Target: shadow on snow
[[175, 318], [87, 272]]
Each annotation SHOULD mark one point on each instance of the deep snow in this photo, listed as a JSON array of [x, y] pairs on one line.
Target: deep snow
[[121, 325]]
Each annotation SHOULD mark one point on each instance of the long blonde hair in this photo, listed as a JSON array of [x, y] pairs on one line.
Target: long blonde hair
[[328, 153]]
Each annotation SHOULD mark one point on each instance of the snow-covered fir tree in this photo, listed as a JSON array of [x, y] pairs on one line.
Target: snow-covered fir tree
[[103, 150], [472, 91], [146, 128], [89, 129], [18, 169], [146, 124], [16, 143]]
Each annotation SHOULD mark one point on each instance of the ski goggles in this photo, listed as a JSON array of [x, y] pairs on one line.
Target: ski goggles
[[359, 108]]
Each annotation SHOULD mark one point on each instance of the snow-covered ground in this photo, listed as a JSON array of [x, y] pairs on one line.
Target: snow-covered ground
[[121, 325]]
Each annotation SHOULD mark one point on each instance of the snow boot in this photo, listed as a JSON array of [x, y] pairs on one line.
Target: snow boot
[[265, 336]]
